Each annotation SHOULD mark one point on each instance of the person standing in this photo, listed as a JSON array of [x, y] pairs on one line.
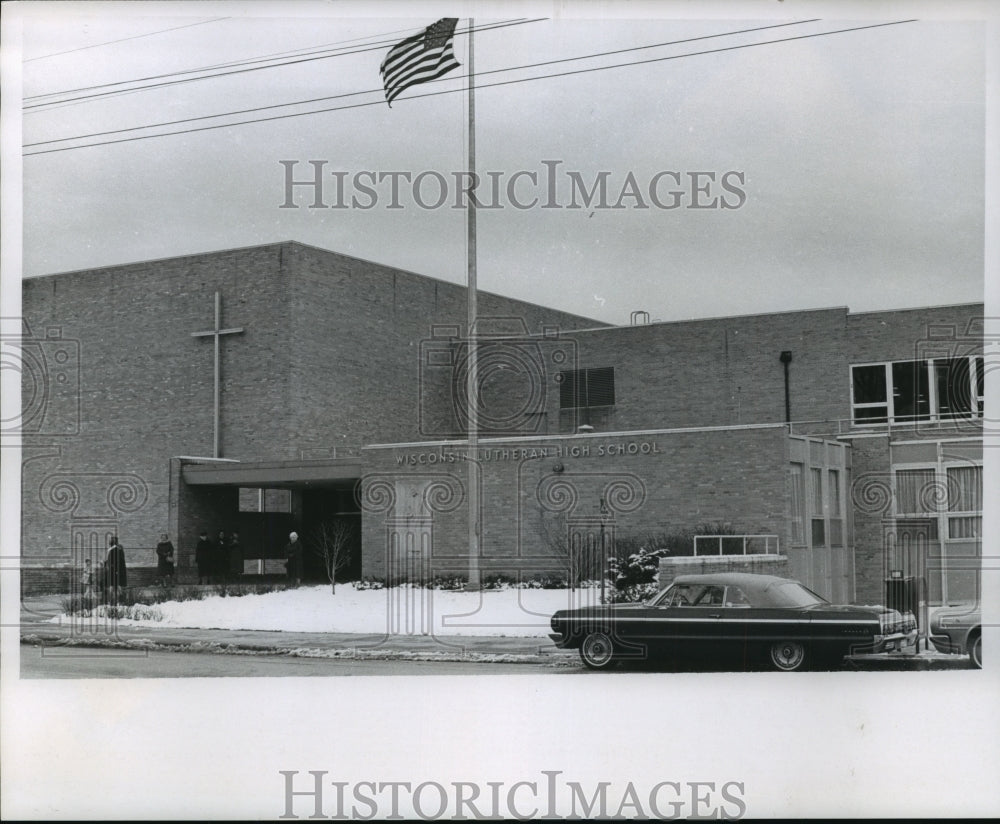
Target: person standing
[[115, 573], [220, 562], [293, 554], [165, 560], [235, 557], [203, 557], [87, 579]]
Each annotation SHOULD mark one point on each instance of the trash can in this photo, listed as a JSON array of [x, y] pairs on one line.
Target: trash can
[[908, 595]]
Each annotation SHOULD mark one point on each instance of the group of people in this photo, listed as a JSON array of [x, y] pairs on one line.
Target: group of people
[[220, 560], [110, 576]]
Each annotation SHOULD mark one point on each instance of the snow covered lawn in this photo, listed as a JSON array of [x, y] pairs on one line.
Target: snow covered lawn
[[399, 610]]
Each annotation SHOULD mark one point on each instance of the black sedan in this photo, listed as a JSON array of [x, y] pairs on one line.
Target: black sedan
[[750, 618], [958, 629]]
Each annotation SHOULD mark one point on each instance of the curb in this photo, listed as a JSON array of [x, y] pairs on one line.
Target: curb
[[222, 648]]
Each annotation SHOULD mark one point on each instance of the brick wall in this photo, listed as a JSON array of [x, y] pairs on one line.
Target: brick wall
[[871, 500], [328, 357], [906, 334], [146, 389], [721, 372], [361, 332], [534, 499]]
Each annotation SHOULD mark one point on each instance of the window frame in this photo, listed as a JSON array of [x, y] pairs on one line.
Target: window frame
[[586, 373], [942, 514], [934, 414]]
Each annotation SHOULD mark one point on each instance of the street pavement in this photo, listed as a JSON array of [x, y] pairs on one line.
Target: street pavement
[[37, 629]]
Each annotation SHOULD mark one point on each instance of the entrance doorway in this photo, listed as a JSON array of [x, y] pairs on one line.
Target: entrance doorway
[[331, 518]]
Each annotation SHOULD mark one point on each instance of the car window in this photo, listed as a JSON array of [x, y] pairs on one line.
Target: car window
[[736, 597], [793, 594], [709, 596], [691, 595]]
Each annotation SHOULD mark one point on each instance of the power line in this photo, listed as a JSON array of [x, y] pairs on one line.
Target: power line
[[303, 52], [244, 69], [123, 39], [484, 86], [439, 80]]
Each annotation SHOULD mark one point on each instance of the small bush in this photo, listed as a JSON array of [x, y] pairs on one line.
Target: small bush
[[548, 582], [636, 593], [238, 590], [134, 612], [79, 604], [447, 582], [635, 566], [369, 583]]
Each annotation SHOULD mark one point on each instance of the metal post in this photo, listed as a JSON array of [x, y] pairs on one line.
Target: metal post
[[472, 393]]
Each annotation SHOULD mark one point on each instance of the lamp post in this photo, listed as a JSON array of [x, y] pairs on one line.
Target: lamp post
[[604, 555]]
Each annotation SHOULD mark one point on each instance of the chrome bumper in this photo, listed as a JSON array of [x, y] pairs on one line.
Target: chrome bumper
[[894, 642]]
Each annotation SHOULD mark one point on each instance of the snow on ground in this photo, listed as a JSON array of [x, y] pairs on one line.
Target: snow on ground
[[398, 610]]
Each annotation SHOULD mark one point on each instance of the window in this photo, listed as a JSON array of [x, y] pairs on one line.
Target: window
[[833, 506], [926, 500], [587, 387], [798, 504], [689, 595], [978, 362], [965, 495], [915, 491], [265, 500], [917, 390], [735, 597], [910, 395], [818, 524], [871, 405]]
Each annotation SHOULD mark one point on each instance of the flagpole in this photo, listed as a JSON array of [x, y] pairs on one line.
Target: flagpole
[[472, 378]]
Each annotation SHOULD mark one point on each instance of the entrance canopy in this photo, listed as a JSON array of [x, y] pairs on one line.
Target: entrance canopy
[[331, 471]]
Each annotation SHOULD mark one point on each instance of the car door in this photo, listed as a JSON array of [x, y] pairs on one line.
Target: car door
[[686, 622], [737, 620]]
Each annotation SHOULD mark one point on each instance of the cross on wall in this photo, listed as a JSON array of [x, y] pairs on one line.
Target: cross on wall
[[216, 333]]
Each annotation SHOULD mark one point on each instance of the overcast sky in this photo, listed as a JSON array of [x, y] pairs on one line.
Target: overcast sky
[[857, 158]]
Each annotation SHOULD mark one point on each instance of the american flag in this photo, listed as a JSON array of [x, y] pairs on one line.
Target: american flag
[[422, 57]]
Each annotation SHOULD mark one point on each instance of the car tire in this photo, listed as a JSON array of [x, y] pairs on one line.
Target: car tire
[[597, 651], [976, 652], [787, 656]]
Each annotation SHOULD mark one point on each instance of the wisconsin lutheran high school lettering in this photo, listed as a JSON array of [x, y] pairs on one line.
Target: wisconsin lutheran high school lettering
[[527, 454]]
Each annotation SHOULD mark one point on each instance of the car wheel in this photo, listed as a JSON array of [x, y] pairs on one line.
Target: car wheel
[[976, 652], [597, 651], [788, 656]]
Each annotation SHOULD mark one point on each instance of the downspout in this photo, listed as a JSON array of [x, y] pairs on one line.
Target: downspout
[[786, 358]]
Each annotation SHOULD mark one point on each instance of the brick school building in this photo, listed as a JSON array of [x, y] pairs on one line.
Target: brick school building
[[285, 387]]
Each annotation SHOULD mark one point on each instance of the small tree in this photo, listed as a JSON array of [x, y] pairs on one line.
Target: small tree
[[332, 542]]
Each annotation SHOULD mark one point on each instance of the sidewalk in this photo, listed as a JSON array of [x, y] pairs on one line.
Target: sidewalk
[[36, 628]]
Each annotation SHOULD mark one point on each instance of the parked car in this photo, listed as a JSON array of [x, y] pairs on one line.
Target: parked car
[[752, 618], [957, 629]]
